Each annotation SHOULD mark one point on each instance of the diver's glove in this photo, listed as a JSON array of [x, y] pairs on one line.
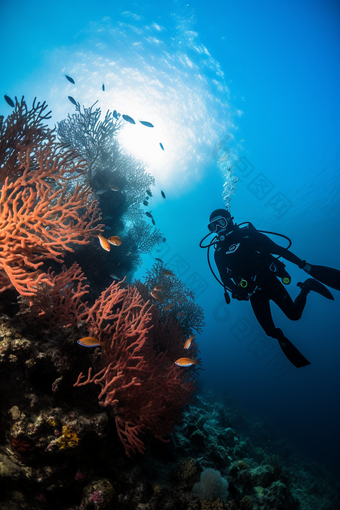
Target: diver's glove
[[239, 293], [305, 266]]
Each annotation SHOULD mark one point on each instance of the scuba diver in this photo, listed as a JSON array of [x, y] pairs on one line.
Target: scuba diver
[[249, 271]]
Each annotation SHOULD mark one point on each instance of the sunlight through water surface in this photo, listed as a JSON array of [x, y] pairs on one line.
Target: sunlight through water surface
[[174, 83]]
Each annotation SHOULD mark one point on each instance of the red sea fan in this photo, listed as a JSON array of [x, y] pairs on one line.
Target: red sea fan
[[144, 387]]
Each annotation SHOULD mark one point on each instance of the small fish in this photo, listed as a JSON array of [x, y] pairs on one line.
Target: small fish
[[145, 202], [114, 188], [148, 214], [163, 194], [115, 114], [108, 228], [71, 80], [107, 218], [188, 342], [161, 146], [104, 243], [180, 314], [115, 240], [156, 296], [9, 101], [167, 272], [73, 101], [159, 260], [149, 192], [169, 306], [153, 222], [186, 362], [114, 276], [103, 87], [158, 288], [145, 123], [128, 119], [128, 253], [101, 191], [89, 341], [164, 240]]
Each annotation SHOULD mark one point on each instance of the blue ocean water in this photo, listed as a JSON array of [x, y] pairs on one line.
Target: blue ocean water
[[244, 98]]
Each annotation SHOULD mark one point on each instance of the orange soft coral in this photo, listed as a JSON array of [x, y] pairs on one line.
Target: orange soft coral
[[39, 218], [41, 212]]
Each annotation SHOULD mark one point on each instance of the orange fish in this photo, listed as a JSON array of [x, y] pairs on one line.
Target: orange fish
[[156, 296], [180, 314], [188, 342], [158, 288], [89, 341], [115, 240], [169, 306], [104, 243], [167, 272], [186, 362]]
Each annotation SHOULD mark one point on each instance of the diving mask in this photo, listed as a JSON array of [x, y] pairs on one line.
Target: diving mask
[[219, 222]]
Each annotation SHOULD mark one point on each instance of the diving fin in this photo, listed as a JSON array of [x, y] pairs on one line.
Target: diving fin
[[316, 286], [326, 275], [291, 352]]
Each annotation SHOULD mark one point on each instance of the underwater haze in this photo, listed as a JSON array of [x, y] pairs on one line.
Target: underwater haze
[[244, 98]]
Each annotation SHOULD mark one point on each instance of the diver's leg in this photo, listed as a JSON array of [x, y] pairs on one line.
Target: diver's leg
[[260, 305], [261, 308], [292, 309]]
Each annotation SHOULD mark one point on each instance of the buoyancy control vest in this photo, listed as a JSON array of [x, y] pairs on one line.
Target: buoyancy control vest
[[243, 255]]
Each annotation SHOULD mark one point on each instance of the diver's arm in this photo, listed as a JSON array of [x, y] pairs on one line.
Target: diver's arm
[[272, 247]]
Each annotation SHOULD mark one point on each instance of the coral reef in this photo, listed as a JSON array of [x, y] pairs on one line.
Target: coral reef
[[144, 387], [68, 439], [110, 168], [60, 450], [66, 444], [98, 494], [57, 303], [141, 238], [175, 294], [211, 487], [169, 336], [39, 219], [24, 127], [94, 140]]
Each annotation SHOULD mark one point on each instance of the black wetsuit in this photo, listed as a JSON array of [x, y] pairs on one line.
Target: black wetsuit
[[250, 271]]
